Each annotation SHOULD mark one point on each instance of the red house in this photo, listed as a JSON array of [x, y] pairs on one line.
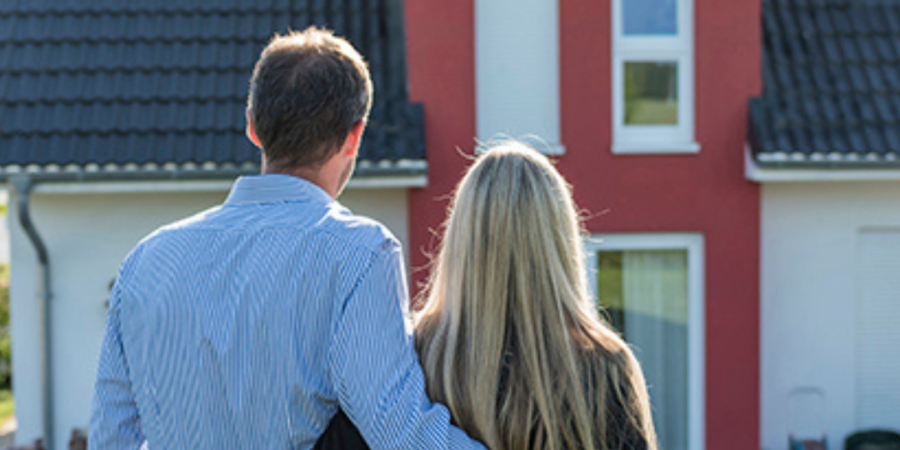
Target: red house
[[644, 105]]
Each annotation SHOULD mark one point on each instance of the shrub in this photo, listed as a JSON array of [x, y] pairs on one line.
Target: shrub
[[5, 341]]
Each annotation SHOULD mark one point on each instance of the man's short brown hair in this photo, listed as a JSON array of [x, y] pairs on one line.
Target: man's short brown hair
[[308, 90]]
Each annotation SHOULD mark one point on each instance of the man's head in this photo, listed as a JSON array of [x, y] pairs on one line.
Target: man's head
[[310, 92]]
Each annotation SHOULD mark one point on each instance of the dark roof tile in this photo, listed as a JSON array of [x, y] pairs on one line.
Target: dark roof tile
[[858, 78], [859, 20], [821, 79], [857, 142], [830, 112], [840, 78], [886, 111], [869, 50], [891, 15], [892, 138], [849, 51], [877, 23], [824, 24], [885, 48], [868, 112], [840, 19]]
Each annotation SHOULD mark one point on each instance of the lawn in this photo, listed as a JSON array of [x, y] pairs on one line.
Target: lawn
[[7, 406]]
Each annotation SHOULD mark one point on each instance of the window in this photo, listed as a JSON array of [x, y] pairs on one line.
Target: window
[[652, 289], [653, 81]]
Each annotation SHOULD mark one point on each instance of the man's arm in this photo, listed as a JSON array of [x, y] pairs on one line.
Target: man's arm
[[115, 423], [376, 371]]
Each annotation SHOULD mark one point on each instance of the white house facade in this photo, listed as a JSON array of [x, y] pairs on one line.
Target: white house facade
[[830, 308], [825, 146]]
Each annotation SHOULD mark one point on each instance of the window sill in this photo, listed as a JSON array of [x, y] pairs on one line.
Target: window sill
[[646, 148]]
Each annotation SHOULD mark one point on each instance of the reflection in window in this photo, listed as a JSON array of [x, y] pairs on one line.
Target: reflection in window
[[650, 17], [645, 295], [651, 93]]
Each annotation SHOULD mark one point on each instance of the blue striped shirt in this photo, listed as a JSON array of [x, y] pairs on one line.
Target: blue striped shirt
[[248, 325]]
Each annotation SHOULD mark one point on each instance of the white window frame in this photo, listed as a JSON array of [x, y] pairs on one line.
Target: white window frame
[[694, 244], [680, 48]]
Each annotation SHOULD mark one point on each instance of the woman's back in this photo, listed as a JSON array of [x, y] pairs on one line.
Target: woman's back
[[615, 408]]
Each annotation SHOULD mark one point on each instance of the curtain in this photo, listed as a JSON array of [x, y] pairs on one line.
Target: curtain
[[655, 321]]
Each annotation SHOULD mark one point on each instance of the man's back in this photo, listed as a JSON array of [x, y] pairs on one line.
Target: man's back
[[228, 320]]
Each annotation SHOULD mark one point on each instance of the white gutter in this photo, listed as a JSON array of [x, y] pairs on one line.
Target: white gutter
[[131, 187], [760, 174], [132, 178]]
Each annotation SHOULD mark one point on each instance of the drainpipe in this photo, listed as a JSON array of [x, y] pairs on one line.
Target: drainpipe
[[23, 185]]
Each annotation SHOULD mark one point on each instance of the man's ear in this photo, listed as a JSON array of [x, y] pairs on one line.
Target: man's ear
[[251, 131], [354, 138]]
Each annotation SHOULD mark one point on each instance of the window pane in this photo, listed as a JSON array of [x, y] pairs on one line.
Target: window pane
[[646, 296], [651, 93], [650, 17]]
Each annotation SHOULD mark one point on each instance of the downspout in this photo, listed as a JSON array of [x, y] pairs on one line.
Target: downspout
[[23, 185]]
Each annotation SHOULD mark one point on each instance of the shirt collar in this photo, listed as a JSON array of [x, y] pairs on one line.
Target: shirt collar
[[275, 188]]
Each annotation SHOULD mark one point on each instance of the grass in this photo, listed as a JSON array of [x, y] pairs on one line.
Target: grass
[[7, 406]]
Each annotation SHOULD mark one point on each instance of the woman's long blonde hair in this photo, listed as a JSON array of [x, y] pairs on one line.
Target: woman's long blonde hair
[[509, 336]]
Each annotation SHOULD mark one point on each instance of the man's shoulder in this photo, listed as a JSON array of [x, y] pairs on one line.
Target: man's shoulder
[[162, 235], [356, 230], [179, 225]]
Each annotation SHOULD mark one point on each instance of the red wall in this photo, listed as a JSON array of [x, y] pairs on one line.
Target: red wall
[[440, 45], [704, 193]]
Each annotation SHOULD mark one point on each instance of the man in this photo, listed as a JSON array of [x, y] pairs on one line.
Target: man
[[247, 326]]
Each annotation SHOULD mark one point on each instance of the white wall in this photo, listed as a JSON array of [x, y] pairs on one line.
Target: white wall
[[388, 206], [88, 235], [517, 69], [809, 291]]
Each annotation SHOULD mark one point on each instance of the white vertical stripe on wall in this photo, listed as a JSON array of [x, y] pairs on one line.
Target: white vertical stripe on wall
[[877, 331], [517, 69]]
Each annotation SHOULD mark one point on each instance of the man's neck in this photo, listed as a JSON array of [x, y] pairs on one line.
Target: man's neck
[[313, 176]]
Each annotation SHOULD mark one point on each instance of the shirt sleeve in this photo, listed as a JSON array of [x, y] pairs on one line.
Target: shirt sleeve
[[375, 369], [115, 423]]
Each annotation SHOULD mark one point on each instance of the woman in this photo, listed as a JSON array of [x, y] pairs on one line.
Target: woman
[[509, 317]]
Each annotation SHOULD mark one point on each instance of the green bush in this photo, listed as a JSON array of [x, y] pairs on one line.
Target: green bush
[[5, 341]]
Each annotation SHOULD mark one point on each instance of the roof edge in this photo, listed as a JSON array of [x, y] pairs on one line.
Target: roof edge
[[187, 171], [813, 171]]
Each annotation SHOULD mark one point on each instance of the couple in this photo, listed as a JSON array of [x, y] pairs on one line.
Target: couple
[[279, 319]]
